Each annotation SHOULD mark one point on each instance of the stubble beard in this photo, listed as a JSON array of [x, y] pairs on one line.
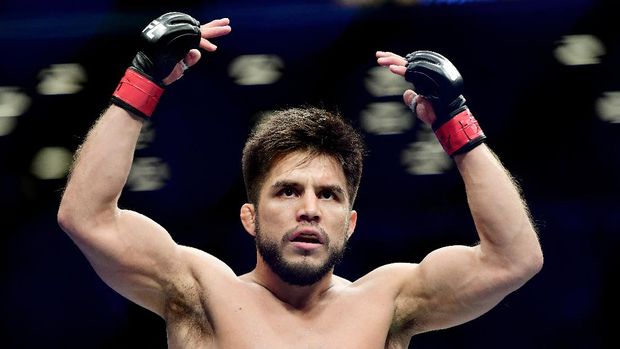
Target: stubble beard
[[297, 273]]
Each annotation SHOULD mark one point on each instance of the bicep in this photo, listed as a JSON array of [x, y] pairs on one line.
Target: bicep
[[451, 285], [133, 255]]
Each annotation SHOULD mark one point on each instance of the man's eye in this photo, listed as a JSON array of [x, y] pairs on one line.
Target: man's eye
[[287, 192], [327, 195]]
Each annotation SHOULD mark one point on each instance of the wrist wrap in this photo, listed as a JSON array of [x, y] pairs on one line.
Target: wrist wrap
[[460, 134], [137, 94]]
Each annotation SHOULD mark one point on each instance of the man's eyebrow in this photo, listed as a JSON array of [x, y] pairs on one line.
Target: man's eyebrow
[[283, 184], [334, 188]]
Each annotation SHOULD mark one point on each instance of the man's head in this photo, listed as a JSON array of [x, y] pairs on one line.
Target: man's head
[[314, 130], [302, 169]]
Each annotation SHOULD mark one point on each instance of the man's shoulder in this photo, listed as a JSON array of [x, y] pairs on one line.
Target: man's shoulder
[[339, 281], [386, 275], [202, 264]]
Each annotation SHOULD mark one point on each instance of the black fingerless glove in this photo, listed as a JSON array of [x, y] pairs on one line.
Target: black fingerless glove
[[437, 79], [164, 42]]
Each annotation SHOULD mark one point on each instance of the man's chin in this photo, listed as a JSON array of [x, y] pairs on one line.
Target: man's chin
[[301, 270], [298, 266], [307, 266], [302, 275]]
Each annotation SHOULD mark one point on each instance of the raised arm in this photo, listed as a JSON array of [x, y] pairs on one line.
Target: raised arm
[[130, 252], [455, 284]]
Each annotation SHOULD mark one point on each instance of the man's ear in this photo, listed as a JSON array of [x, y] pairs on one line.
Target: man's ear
[[352, 222], [248, 218]]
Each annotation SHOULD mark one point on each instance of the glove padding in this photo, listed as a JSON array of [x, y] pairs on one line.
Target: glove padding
[[164, 42], [437, 79]]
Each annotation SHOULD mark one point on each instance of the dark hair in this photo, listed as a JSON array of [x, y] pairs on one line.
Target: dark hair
[[315, 130]]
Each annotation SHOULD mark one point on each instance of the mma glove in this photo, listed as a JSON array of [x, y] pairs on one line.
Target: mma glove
[[163, 43], [437, 79]]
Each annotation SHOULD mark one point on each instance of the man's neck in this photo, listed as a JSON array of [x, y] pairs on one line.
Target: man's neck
[[298, 297]]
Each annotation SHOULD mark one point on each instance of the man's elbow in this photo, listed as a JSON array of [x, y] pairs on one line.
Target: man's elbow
[[536, 261], [519, 266], [528, 265], [66, 218], [80, 217], [71, 216]]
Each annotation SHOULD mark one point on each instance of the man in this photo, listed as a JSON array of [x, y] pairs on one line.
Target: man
[[302, 168]]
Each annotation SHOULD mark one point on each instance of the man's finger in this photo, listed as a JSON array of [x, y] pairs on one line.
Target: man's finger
[[398, 69], [192, 57], [209, 33], [216, 23]]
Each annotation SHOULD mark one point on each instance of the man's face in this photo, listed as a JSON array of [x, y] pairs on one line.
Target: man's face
[[303, 220]]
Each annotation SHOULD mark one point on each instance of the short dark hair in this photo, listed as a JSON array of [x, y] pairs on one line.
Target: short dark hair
[[311, 129]]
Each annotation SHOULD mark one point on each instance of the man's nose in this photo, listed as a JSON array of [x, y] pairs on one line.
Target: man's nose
[[309, 209]]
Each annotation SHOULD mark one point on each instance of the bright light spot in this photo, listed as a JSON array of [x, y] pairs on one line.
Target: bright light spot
[[608, 106], [7, 125], [256, 69], [386, 118], [51, 163], [382, 82], [579, 50], [426, 156], [62, 79], [13, 103], [147, 174], [147, 135]]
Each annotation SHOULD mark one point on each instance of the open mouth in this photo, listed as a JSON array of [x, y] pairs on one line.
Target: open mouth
[[307, 239]]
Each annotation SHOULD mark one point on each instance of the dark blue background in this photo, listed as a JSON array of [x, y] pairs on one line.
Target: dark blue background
[[539, 116]]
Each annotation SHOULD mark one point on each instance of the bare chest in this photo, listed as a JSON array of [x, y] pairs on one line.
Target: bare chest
[[246, 321]]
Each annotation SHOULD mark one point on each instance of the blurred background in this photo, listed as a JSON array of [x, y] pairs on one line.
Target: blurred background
[[542, 77]]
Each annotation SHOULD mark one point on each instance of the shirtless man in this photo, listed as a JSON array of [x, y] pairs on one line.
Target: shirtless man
[[302, 169]]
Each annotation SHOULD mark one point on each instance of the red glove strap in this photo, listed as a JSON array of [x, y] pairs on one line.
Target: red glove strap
[[458, 131], [138, 92]]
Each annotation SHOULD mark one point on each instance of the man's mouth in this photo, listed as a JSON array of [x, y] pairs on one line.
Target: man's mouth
[[307, 239], [307, 236]]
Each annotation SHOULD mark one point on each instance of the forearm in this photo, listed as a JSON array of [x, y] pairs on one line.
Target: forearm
[[103, 162], [506, 232], [101, 168]]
